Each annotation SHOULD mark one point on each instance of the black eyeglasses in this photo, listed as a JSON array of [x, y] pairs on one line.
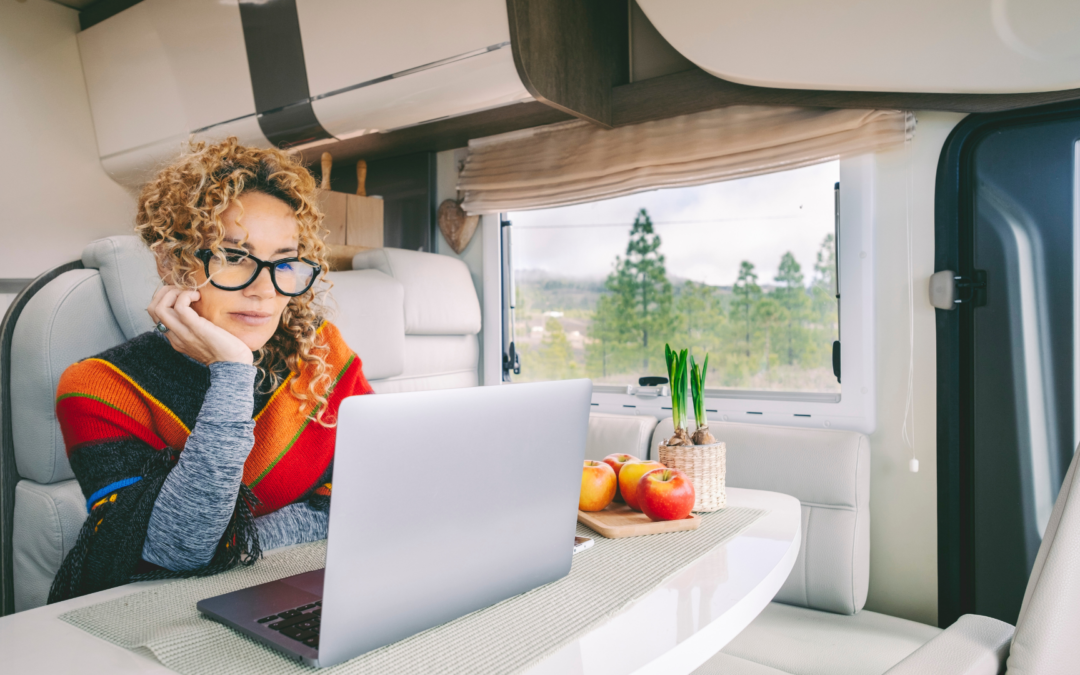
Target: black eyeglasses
[[290, 276]]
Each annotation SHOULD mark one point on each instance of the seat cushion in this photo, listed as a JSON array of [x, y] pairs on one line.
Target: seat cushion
[[609, 434], [46, 524], [367, 306], [66, 321], [129, 273], [440, 298], [804, 641], [829, 473]]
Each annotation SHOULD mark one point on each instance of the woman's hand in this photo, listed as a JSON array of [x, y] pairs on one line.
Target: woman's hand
[[191, 334]]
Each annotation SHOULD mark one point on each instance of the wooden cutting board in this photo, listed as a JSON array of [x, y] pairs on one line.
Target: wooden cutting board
[[618, 520]]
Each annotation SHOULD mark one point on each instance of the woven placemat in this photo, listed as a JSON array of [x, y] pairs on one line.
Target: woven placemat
[[506, 638]]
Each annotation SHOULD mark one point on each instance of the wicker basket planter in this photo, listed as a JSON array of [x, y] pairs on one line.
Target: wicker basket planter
[[706, 466]]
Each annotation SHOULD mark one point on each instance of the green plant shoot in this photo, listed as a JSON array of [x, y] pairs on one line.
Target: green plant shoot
[[677, 379], [697, 390]]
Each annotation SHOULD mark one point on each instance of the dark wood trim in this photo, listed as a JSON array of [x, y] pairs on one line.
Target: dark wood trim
[[569, 54], [444, 134], [695, 90], [9, 474]]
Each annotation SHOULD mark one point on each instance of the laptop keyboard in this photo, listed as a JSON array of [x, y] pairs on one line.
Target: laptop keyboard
[[300, 624]]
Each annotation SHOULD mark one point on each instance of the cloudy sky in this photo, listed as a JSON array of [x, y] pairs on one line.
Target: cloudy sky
[[705, 231]]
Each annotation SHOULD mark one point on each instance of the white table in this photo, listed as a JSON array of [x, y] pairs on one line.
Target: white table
[[671, 631]]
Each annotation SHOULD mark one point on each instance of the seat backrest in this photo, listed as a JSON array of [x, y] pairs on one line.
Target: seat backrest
[[1047, 638], [829, 473], [441, 317], [611, 434], [366, 306], [78, 314], [75, 314]]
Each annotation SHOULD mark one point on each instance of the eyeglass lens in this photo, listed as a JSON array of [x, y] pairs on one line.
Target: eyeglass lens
[[291, 277]]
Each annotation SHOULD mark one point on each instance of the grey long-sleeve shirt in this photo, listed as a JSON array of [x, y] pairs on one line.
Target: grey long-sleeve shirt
[[197, 499]]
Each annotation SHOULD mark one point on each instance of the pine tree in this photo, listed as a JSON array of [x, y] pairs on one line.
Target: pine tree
[[824, 288], [603, 348], [792, 297], [555, 358], [768, 312], [641, 290], [747, 293], [825, 267], [700, 317]]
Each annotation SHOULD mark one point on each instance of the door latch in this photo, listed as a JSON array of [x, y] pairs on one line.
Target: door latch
[[949, 289], [511, 361]]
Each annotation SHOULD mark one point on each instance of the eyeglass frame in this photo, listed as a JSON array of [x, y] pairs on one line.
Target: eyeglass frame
[[206, 254]]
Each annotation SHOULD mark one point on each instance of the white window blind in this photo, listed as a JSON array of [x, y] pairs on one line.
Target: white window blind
[[575, 162]]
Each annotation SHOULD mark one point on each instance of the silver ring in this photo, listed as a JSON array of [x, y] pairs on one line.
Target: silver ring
[[162, 328]]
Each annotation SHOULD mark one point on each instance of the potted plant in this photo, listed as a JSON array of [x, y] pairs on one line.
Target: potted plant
[[699, 455]]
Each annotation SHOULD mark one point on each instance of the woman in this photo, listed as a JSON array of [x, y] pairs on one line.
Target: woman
[[210, 438]]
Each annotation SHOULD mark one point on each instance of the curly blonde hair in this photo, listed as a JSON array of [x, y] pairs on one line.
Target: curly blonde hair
[[180, 213]]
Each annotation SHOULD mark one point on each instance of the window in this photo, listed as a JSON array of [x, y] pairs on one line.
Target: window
[[744, 271]]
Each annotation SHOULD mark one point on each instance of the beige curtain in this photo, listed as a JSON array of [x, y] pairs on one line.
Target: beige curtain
[[574, 162]]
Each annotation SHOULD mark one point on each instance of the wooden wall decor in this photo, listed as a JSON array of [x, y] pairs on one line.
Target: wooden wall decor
[[457, 227], [569, 54]]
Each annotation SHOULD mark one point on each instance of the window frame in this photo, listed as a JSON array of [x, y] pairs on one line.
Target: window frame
[[854, 407]]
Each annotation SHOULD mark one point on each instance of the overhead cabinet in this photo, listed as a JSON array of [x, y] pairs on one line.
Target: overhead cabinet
[[160, 72]]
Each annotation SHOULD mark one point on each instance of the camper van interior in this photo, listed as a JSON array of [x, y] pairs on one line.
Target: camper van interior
[[792, 288]]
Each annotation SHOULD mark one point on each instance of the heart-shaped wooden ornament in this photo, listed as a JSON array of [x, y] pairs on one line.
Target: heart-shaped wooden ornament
[[457, 228]]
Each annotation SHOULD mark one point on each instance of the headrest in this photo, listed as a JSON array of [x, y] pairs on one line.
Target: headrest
[[129, 273], [64, 322], [367, 307], [610, 433], [440, 298]]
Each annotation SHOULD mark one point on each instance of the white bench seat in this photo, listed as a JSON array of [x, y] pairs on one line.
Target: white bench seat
[[800, 641]]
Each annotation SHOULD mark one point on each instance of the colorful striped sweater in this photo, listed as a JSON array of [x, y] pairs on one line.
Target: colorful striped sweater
[[126, 415]]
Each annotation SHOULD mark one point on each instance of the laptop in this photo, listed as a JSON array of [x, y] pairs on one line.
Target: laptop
[[444, 502]]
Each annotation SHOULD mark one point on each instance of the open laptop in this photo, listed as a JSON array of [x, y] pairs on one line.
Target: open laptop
[[444, 502]]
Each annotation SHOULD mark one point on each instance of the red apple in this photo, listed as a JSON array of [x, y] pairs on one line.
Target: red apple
[[666, 494], [616, 462], [598, 485], [629, 476]]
